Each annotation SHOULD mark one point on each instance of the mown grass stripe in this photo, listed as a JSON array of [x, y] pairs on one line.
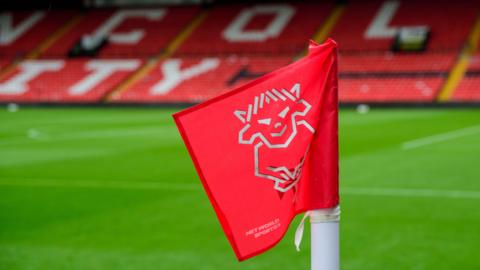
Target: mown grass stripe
[[144, 185]]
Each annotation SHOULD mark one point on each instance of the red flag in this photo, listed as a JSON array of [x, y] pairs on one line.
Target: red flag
[[268, 150]]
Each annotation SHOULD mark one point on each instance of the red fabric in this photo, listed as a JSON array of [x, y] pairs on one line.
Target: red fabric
[[255, 206]]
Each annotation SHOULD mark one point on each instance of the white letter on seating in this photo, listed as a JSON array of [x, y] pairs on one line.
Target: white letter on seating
[[378, 28], [9, 34], [235, 31], [173, 76], [18, 84], [101, 70], [132, 37]]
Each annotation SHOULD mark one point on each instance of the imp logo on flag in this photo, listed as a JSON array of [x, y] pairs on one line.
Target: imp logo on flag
[[272, 123]]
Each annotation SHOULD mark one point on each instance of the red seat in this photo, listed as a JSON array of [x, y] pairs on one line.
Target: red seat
[[387, 77], [217, 75], [158, 31], [57, 83], [469, 88], [246, 41], [37, 26], [389, 89], [222, 32], [450, 23], [390, 62], [3, 64]]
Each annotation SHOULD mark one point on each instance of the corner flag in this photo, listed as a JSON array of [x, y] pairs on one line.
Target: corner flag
[[268, 150]]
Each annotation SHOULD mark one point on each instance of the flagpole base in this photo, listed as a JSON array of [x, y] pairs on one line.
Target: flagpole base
[[325, 247]]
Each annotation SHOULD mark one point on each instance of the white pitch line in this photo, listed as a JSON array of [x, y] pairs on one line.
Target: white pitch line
[[405, 192], [143, 185], [441, 137]]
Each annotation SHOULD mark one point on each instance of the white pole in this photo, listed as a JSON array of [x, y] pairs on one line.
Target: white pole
[[325, 239]]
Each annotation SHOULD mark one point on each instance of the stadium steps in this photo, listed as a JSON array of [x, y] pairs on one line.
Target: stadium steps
[[152, 62], [457, 73]]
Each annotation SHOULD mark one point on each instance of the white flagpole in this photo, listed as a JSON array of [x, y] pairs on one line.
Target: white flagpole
[[325, 248]]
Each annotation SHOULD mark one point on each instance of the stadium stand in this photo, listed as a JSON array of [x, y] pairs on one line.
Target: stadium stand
[[172, 80], [372, 25], [392, 77], [3, 64], [266, 29], [23, 31], [468, 89], [396, 62], [370, 72], [129, 32], [58, 80], [389, 89], [189, 53]]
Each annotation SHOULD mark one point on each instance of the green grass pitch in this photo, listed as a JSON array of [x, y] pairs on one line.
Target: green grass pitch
[[115, 189]]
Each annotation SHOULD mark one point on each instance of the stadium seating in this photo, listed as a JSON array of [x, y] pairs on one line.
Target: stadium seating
[[371, 73], [231, 44], [468, 89], [131, 32], [23, 31], [64, 80], [388, 77], [389, 89], [266, 29], [199, 79], [450, 23], [396, 62], [3, 64]]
